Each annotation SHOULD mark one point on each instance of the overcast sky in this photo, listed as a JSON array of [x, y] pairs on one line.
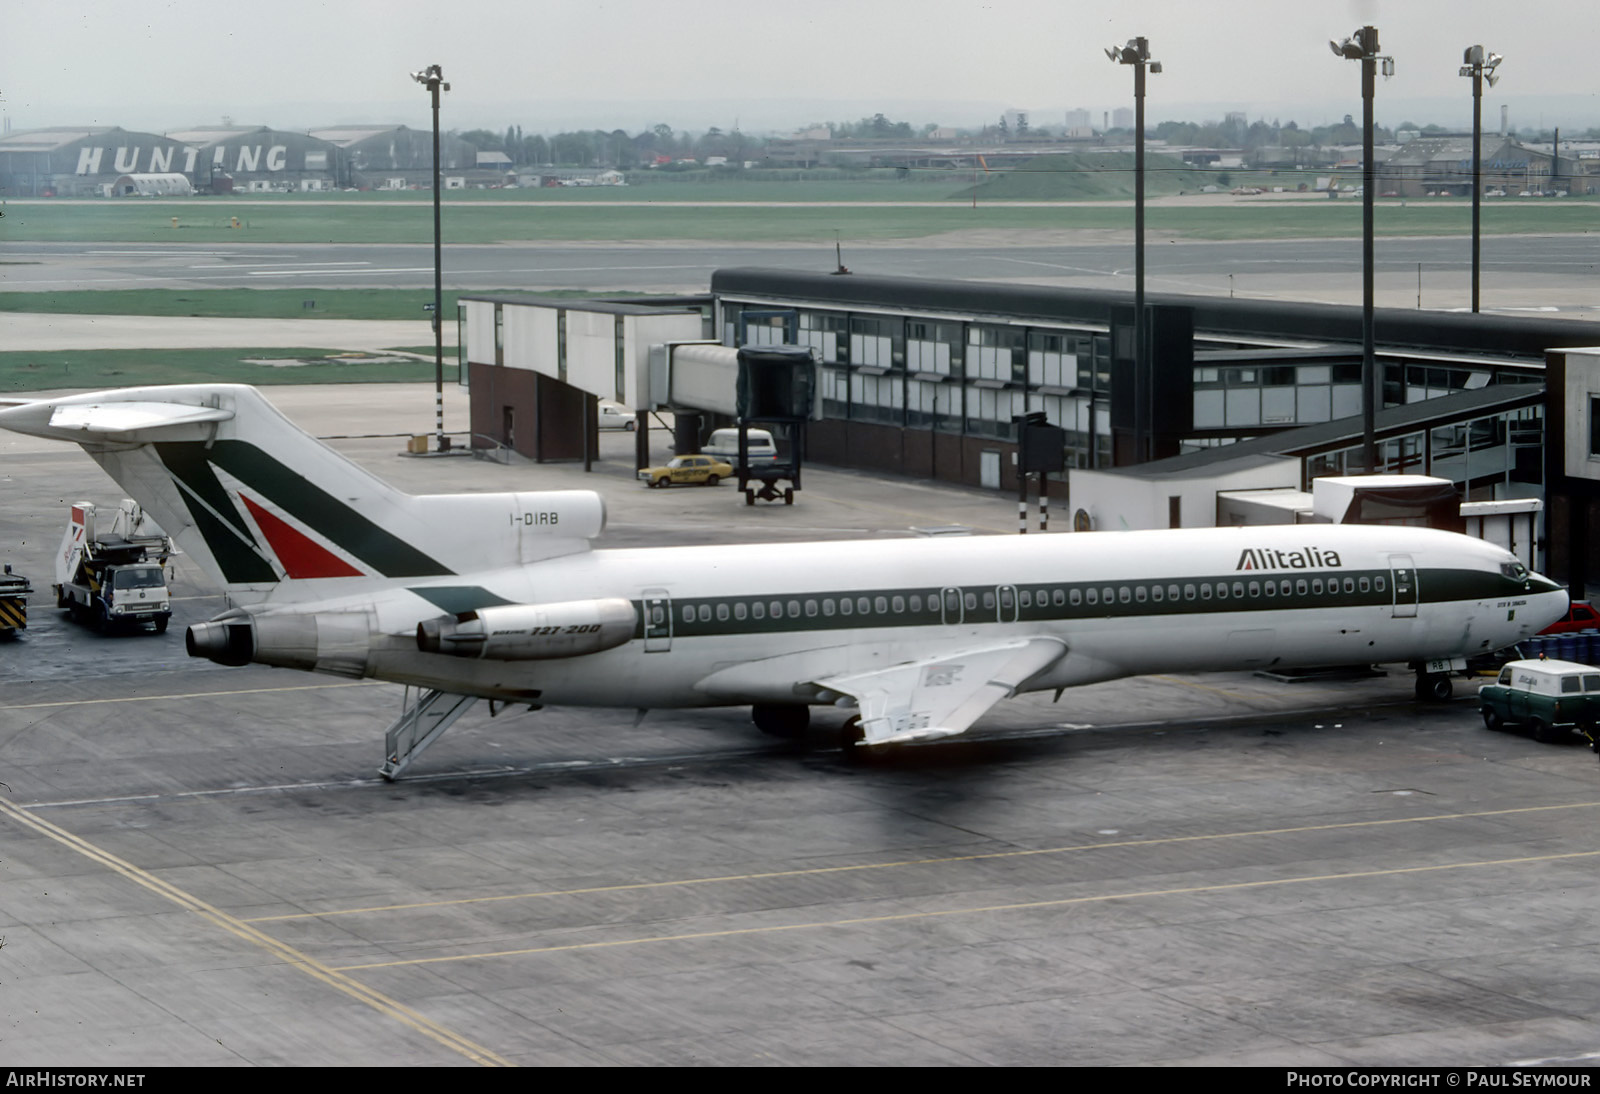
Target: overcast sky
[[769, 65]]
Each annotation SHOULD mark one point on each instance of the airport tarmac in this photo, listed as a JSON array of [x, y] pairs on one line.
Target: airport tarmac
[[199, 865]]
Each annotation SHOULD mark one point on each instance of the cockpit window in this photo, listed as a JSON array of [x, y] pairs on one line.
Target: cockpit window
[[1516, 571]]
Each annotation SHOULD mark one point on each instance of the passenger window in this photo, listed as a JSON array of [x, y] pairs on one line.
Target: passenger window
[[1316, 586], [898, 604], [1106, 594], [1365, 584], [1505, 676], [1205, 590], [1094, 596], [988, 602], [794, 609], [759, 610], [656, 615], [1140, 593], [1077, 597], [1124, 595], [688, 613], [1222, 590], [1238, 589], [739, 610], [845, 607], [1156, 593], [1188, 592], [1300, 586], [1571, 684], [882, 605], [722, 613], [971, 601], [1059, 597], [776, 608], [1377, 583], [1026, 598], [1172, 592], [1591, 682], [811, 608], [827, 607], [863, 605], [705, 613], [1349, 585]]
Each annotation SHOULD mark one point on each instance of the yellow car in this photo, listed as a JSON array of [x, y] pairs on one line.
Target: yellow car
[[689, 469]]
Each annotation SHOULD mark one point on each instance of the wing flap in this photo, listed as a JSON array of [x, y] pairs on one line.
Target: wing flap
[[941, 696]]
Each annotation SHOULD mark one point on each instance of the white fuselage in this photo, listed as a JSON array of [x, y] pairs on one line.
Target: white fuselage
[[758, 623]]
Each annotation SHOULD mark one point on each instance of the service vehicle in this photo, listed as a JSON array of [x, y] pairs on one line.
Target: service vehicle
[[14, 590], [1549, 698], [702, 470], [614, 417], [723, 444], [114, 577]]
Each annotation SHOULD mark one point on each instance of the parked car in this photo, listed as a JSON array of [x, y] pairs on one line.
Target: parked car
[[687, 469], [1548, 697], [1579, 617], [724, 445], [614, 417]]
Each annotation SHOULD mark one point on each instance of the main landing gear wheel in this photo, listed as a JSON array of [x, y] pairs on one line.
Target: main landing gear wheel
[[785, 721], [1434, 687]]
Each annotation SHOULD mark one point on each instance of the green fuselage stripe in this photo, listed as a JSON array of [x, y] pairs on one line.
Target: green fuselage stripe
[[1067, 601]]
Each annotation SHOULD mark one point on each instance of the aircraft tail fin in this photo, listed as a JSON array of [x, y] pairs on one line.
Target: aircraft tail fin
[[273, 513]]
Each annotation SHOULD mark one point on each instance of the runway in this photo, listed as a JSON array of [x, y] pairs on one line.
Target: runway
[[200, 865], [1557, 273]]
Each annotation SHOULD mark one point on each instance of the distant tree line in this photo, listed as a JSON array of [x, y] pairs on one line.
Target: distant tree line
[[663, 147]]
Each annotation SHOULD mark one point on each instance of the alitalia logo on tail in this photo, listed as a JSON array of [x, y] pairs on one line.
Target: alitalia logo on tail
[[1269, 558]]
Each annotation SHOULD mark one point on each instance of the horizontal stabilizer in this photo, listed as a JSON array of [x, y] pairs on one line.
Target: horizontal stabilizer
[[941, 696], [129, 419]]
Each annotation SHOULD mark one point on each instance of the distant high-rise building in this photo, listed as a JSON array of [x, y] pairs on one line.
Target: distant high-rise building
[[1122, 118], [1079, 119]]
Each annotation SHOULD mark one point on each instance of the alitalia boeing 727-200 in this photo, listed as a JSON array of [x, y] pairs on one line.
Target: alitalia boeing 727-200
[[502, 596]]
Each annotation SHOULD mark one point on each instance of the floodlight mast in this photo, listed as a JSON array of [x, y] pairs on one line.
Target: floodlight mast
[[432, 78], [1478, 67], [1363, 46], [1137, 54]]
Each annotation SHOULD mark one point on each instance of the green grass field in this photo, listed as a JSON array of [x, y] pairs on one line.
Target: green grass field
[[23, 371], [206, 220]]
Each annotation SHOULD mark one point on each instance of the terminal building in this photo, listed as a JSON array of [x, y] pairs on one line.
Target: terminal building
[[928, 379]]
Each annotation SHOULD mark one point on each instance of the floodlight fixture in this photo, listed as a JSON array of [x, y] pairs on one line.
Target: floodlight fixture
[[1478, 67], [1363, 46], [432, 78], [1136, 54]]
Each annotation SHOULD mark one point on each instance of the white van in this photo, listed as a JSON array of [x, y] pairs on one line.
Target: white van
[[724, 445]]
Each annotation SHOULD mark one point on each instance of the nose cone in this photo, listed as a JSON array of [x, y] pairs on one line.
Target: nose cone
[[1547, 602]]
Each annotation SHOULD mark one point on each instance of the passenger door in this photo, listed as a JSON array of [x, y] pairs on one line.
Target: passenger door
[[1404, 577]]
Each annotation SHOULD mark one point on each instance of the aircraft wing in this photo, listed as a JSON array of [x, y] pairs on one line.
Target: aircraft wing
[[941, 696]]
